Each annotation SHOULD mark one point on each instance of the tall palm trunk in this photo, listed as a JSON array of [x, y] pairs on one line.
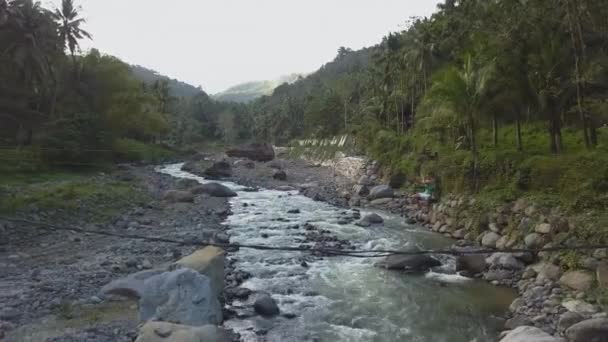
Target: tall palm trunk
[[518, 133]]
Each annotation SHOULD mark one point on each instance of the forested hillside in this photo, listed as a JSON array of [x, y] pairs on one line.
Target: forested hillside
[[59, 107], [503, 97], [249, 91]]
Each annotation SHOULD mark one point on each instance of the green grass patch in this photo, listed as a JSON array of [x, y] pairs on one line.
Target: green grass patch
[[133, 151]]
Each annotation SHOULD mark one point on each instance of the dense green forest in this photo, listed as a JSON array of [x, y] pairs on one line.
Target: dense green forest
[[502, 96], [61, 107]]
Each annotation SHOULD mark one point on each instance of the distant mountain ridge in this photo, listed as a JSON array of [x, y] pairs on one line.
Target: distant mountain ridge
[[249, 91], [177, 87]]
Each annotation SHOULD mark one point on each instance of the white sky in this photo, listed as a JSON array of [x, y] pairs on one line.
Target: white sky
[[220, 43]]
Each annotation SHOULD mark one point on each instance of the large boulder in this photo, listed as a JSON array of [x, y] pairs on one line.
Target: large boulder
[[579, 307], [181, 296], [528, 334], [369, 220], [266, 306], [213, 189], [568, 319], [504, 260], [473, 263], [208, 261], [547, 271], [381, 191], [169, 332], [577, 280], [257, 152], [219, 169], [178, 196], [280, 175], [409, 263], [591, 330]]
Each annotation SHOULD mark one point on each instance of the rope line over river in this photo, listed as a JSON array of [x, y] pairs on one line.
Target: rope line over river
[[375, 253]]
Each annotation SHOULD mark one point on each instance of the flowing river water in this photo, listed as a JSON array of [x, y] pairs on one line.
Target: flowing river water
[[344, 298]]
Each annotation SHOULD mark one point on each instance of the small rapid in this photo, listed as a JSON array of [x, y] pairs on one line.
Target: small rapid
[[344, 298]]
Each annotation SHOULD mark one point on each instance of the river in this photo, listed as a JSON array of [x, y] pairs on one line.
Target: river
[[344, 298]]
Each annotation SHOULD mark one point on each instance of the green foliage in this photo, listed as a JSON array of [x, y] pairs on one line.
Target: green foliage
[[132, 150]]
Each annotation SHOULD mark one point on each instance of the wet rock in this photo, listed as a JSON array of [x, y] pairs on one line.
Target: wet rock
[[293, 211], [568, 319], [261, 152], [213, 189], [577, 280], [381, 191], [504, 260], [361, 190], [170, 332], [592, 330], [182, 296], [489, 239], [219, 169], [528, 334], [280, 175], [409, 263], [241, 293], [221, 238], [265, 305], [208, 261], [369, 220], [178, 196], [474, 263]]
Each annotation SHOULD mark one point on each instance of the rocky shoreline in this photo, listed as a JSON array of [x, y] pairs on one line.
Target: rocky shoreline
[[59, 274]]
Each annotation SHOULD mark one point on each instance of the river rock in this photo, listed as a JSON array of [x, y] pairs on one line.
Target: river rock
[[568, 319], [489, 239], [601, 253], [169, 332], [504, 260], [219, 169], [280, 175], [261, 152], [579, 307], [213, 189], [369, 220], [528, 334], [543, 228], [591, 330], [381, 191], [517, 321], [547, 271], [186, 183], [360, 190], [265, 305], [409, 263], [181, 296], [577, 280], [473, 263], [533, 240], [208, 261], [178, 196]]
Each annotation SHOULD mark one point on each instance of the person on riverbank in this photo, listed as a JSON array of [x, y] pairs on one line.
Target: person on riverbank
[[429, 193]]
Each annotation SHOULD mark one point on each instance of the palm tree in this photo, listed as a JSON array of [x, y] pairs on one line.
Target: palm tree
[[463, 92], [69, 26]]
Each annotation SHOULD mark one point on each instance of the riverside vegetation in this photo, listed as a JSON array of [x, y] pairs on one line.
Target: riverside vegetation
[[502, 102]]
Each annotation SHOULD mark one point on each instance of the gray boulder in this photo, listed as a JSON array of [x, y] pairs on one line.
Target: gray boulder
[[219, 169], [381, 191], [504, 260], [262, 152], [409, 263], [361, 190], [213, 189], [473, 263], [182, 296], [266, 306], [591, 330], [369, 220], [568, 319], [528, 334], [280, 175], [490, 239]]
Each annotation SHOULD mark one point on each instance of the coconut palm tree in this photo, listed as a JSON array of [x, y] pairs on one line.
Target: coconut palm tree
[[464, 93], [69, 26]]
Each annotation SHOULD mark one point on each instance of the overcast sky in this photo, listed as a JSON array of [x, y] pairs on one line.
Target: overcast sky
[[220, 43]]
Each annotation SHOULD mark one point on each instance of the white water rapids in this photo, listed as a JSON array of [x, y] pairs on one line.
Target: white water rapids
[[343, 298]]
